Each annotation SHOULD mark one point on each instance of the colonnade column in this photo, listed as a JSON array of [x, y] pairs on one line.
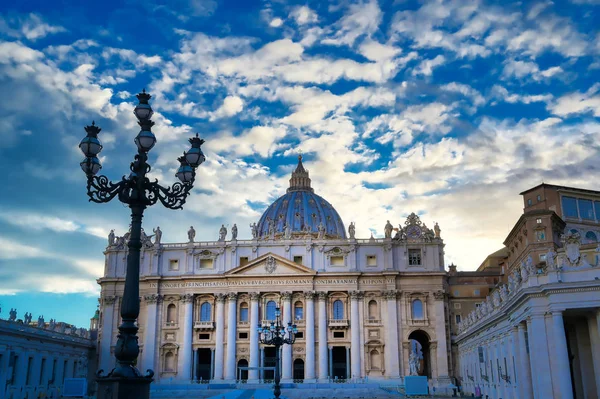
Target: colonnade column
[[286, 358], [309, 372], [323, 362], [392, 368], [254, 353], [594, 331], [219, 339], [106, 359], [525, 386], [440, 333], [513, 354], [185, 353], [152, 302], [355, 334], [562, 356], [230, 370]]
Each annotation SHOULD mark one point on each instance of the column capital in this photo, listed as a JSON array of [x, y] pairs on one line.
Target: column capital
[[109, 299], [391, 294], [322, 295], [153, 298], [355, 294], [286, 295], [254, 296], [186, 298], [221, 298], [232, 296], [439, 295], [309, 294]]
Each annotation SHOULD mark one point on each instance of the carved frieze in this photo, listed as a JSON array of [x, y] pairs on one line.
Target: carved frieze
[[186, 298]]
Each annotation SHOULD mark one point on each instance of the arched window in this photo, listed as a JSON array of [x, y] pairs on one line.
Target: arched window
[[591, 236], [298, 311], [338, 310], [169, 361], [244, 311], [171, 314], [375, 360], [271, 310], [373, 310], [417, 309], [205, 312]]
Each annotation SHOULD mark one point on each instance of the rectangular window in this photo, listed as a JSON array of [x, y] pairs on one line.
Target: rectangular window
[[53, 370], [42, 367], [569, 205], [414, 257], [477, 305], [298, 259], [529, 202], [298, 313], [542, 257], [338, 334], [540, 235], [206, 263], [28, 376], [244, 314], [476, 292], [457, 318], [371, 260], [586, 209], [597, 209], [243, 260], [204, 336], [243, 335], [336, 261], [539, 198], [538, 221], [300, 335], [457, 306], [174, 264]]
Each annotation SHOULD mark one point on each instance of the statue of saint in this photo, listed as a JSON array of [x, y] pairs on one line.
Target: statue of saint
[[111, 238], [388, 229], [413, 362], [27, 318], [234, 232], [321, 230], [222, 233], [550, 263], [157, 235], [351, 230], [254, 230], [12, 314], [40, 322], [271, 225], [287, 229], [51, 324], [437, 230], [191, 234]]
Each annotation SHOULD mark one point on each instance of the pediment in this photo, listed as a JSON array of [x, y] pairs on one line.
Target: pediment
[[272, 265]]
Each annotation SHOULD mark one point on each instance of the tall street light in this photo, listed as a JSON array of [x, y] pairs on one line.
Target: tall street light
[[277, 335], [138, 192]]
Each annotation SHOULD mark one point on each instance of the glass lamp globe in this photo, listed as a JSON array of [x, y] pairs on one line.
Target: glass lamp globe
[[90, 146], [143, 112], [194, 157], [145, 140], [277, 312], [90, 165], [185, 173]]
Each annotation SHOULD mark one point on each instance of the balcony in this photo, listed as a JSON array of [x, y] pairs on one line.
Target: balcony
[[204, 325], [372, 322], [338, 324], [171, 324]]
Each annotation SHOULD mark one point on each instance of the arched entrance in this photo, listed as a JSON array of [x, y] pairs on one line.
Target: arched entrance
[[298, 369], [419, 342], [242, 374]]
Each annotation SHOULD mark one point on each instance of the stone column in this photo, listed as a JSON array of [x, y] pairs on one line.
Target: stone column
[[561, 355], [195, 366], [309, 364], [106, 359], [500, 362], [525, 383], [286, 350], [392, 368], [330, 350], [211, 375], [254, 322], [230, 373], [594, 331], [440, 333], [355, 334], [348, 362], [540, 358], [513, 354], [185, 352], [361, 318], [323, 349], [152, 302], [219, 338]]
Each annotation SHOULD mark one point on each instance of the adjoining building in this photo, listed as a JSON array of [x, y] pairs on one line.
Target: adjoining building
[[361, 305], [537, 334]]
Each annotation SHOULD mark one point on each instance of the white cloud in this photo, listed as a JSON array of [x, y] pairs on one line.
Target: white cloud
[[577, 103], [500, 93], [276, 22], [304, 15], [362, 19], [426, 66], [31, 27], [232, 105], [528, 69]]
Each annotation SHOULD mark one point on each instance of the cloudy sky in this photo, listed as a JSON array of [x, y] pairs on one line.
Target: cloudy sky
[[444, 108]]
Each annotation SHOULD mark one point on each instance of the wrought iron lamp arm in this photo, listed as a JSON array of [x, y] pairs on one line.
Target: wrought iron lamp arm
[[171, 197], [101, 190]]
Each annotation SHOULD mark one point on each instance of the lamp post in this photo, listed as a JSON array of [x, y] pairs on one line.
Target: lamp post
[[138, 192], [277, 335]]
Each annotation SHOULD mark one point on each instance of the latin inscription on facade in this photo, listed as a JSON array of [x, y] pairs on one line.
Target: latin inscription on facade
[[262, 282]]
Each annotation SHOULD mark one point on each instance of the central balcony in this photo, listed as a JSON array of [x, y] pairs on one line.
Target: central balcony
[[204, 325], [338, 324]]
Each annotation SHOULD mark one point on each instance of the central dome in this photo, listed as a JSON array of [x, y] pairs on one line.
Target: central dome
[[300, 211]]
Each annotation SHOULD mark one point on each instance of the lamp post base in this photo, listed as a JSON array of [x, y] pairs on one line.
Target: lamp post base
[[123, 388]]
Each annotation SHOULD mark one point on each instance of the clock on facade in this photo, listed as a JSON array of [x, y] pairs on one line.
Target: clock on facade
[[413, 232]]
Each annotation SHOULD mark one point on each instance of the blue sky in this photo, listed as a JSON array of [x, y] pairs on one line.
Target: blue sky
[[445, 108]]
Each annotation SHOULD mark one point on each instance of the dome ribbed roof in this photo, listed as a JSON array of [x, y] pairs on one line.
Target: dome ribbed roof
[[302, 210]]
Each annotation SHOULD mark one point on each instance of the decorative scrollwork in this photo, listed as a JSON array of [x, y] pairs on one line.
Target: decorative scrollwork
[[172, 197], [100, 189]]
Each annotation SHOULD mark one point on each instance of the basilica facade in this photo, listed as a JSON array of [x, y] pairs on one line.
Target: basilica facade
[[361, 306]]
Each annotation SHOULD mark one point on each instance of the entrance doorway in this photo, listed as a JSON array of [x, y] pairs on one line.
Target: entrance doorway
[[419, 342], [203, 368], [242, 374], [298, 369], [269, 361], [339, 365]]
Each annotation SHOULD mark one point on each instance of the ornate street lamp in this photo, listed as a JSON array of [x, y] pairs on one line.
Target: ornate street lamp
[[138, 192], [277, 335]]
